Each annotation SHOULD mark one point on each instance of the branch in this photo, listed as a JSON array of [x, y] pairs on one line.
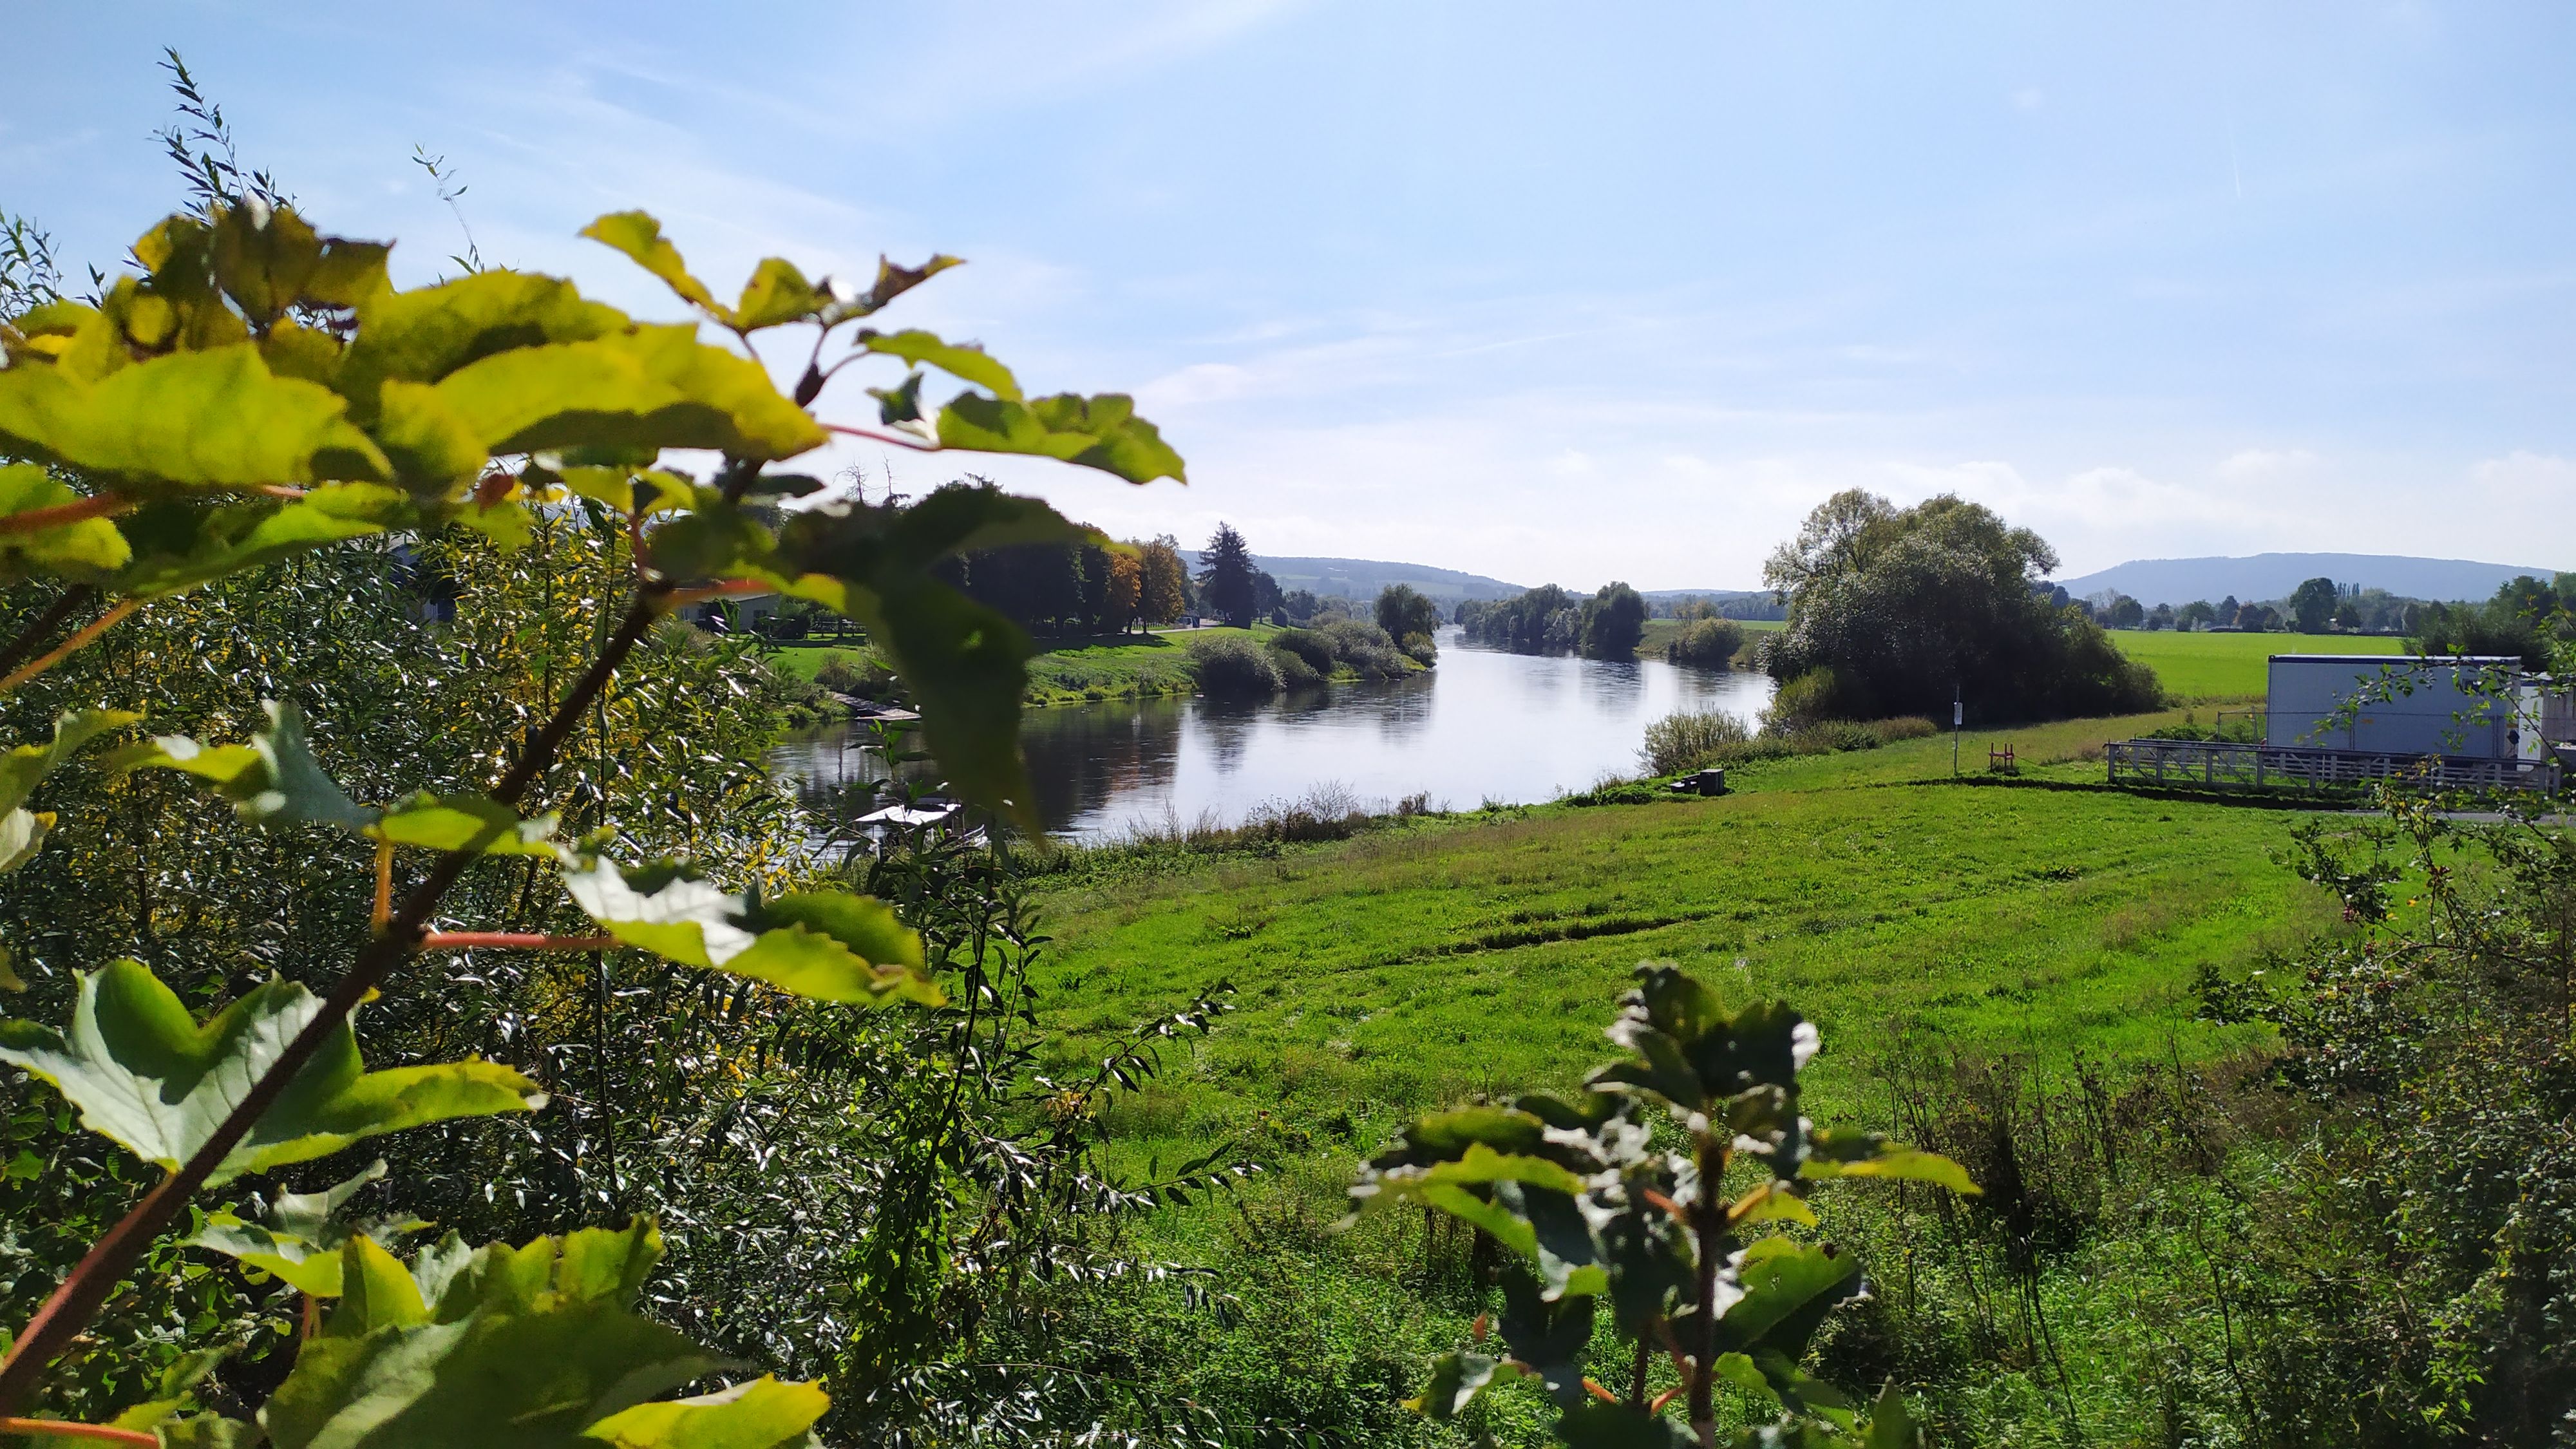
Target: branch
[[77, 1301], [88, 635], [70, 602], [37, 520]]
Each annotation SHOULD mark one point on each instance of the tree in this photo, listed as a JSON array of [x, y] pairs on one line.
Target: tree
[[2162, 617], [1895, 610], [2347, 616], [2198, 614], [1406, 614], [1126, 590], [2256, 619], [1226, 577], [2227, 610], [2124, 613], [1614, 620], [1166, 584], [2313, 605], [188, 443]]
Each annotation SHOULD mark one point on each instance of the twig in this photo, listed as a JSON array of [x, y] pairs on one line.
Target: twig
[[88, 634], [71, 601], [916, 444], [77, 1301]]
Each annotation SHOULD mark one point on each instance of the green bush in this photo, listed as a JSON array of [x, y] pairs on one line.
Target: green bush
[[1313, 648], [1294, 671], [1235, 668], [1707, 643], [1686, 741]]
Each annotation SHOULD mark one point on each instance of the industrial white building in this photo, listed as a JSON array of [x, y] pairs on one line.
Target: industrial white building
[[2474, 708]]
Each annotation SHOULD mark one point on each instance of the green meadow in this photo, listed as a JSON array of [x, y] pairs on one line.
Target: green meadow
[[2210, 668]]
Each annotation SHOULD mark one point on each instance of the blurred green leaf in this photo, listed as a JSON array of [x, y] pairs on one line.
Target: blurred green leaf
[[1456, 1380], [23, 767], [961, 360], [146, 1075], [777, 293], [181, 544], [1848, 1153], [511, 1346], [463, 822], [271, 780], [215, 419], [651, 387], [639, 235], [268, 259], [761, 1414], [86, 551], [1785, 1289], [421, 336], [1097, 432]]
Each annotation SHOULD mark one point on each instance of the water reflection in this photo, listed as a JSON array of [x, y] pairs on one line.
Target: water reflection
[[1484, 725]]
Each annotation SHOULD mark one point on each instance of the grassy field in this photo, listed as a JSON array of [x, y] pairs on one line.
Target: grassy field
[[2214, 667], [1482, 953], [1660, 632], [2040, 917]]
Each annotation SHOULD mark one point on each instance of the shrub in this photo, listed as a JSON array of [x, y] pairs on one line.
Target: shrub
[[1235, 668], [1313, 648], [1819, 694], [1687, 741], [1366, 649], [1708, 643], [1294, 671]]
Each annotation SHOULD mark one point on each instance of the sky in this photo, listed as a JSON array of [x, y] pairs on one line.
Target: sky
[[1553, 293]]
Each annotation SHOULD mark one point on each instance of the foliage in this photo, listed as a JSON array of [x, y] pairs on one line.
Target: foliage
[[1710, 643], [1234, 667], [2527, 618], [1164, 590], [1408, 618], [1544, 620], [2434, 1223], [1911, 608], [1694, 740], [1681, 741], [1226, 577], [258, 392], [2313, 604], [1612, 621]]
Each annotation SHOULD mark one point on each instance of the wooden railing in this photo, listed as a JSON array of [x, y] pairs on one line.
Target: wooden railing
[[2218, 765]]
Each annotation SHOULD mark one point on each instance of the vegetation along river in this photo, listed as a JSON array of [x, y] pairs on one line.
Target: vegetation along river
[[1484, 725]]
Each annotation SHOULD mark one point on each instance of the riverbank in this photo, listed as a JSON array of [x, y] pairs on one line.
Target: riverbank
[[1123, 666], [2040, 919]]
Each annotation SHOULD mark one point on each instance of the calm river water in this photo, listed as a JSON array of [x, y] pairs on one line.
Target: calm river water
[[1484, 725]]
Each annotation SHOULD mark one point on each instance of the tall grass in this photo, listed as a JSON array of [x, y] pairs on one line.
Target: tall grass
[[1696, 740]]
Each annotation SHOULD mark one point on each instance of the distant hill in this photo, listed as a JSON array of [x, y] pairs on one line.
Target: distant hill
[[1361, 578], [2153, 581]]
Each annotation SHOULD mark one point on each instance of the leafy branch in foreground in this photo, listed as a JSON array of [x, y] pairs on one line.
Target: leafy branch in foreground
[[1591, 1211], [259, 391]]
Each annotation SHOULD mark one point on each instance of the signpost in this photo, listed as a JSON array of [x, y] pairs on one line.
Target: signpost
[[1958, 716]]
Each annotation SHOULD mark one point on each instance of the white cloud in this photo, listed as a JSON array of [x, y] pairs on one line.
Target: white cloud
[[2256, 464]]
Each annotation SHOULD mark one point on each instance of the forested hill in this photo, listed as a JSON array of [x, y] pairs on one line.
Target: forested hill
[[1361, 578], [2273, 575]]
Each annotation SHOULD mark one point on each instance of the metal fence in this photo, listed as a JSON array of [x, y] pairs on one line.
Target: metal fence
[[2214, 765]]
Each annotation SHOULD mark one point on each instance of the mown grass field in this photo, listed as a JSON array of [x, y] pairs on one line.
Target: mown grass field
[[2215, 667], [1410, 968]]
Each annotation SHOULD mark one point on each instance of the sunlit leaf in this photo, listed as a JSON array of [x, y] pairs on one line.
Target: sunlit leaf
[[267, 259], [22, 834], [956, 359], [824, 945], [423, 335], [464, 822], [148, 1076], [892, 281], [23, 767], [639, 236], [216, 419], [1097, 432], [85, 551], [271, 780], [777, 293], [1843, 1152], [300, 1240], [652, 387], [506, 1346], [761, 1414], [1786, 1289]]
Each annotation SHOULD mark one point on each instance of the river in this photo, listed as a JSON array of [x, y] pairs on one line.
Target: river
[[1484, 725]]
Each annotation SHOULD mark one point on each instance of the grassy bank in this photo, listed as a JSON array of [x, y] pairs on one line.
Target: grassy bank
[[1660, 632], [2040, 918], [2216, 667]]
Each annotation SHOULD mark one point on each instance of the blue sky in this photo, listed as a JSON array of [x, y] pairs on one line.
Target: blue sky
[[1550, 292]]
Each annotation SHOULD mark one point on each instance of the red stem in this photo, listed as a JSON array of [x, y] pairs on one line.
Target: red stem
[[916, 444], [37, 520], [77, 1301], [64, 1428], [467, 940]]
